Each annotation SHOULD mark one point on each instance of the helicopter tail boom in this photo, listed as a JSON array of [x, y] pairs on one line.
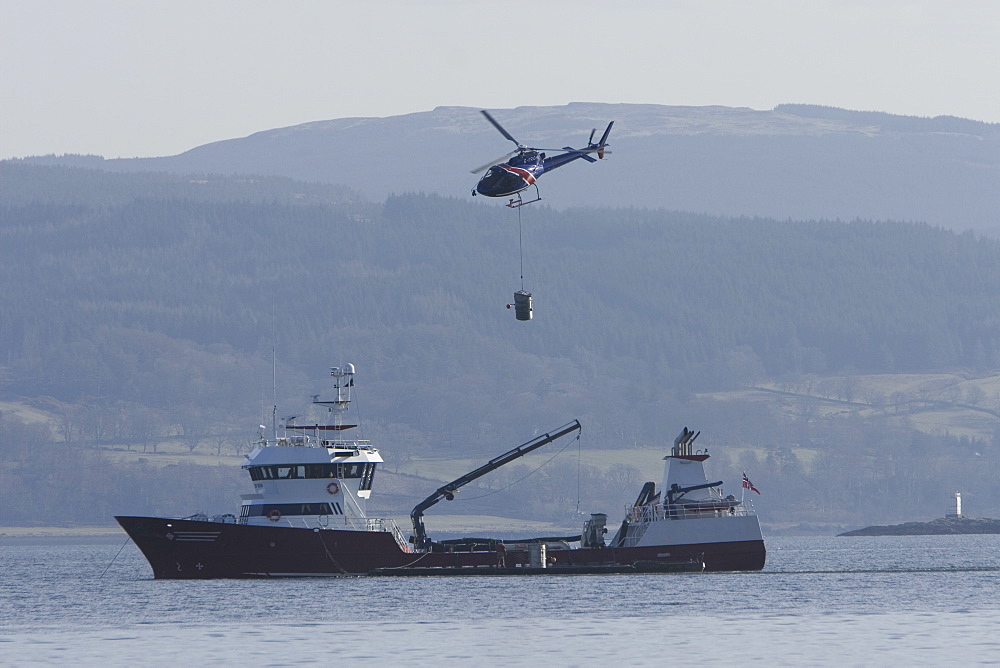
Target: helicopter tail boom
[[584, 156], [572, 154]]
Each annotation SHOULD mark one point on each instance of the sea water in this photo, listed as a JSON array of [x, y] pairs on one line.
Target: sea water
[[820, 601]]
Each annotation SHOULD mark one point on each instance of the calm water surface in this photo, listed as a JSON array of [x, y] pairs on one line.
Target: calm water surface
[[821, 601]]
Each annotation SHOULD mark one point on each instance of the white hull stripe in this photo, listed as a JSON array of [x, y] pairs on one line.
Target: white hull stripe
[[523, 173], [193, 536]]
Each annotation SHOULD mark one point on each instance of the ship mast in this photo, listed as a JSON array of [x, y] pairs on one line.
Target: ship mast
[[343, 381]]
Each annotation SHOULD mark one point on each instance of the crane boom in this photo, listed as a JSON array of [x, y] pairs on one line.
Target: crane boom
[[420, 540]]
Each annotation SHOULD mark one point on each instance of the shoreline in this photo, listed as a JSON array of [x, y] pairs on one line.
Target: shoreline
[[61, 535], [942, 526]]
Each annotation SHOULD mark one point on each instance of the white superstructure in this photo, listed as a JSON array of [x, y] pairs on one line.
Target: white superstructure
[[311, 476], [688, 509]]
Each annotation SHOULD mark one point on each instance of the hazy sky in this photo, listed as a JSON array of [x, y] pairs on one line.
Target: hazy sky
[[141, 78]]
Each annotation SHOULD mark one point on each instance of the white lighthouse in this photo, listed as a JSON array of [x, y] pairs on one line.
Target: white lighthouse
[[958, 507]]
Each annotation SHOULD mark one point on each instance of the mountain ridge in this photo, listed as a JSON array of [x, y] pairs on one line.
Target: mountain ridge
[[793, 161]]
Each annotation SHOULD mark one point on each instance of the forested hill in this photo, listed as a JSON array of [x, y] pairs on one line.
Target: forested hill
[[793, 161], [172, 302], [24, 183]]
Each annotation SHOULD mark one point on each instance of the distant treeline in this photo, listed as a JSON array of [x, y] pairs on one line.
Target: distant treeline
[[893, 122], [100, 290]]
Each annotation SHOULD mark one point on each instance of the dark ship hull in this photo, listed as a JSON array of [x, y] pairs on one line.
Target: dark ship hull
[[191, 549]]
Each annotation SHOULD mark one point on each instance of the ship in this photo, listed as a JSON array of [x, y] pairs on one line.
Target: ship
[[307, 516]]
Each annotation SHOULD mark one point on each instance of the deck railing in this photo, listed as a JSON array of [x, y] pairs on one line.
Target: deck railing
[[655, 512], [640, 519]]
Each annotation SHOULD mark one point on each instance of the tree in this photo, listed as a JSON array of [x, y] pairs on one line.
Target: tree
[[220, 439]]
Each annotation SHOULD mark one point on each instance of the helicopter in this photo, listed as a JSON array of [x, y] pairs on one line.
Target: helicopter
[[521, 168]]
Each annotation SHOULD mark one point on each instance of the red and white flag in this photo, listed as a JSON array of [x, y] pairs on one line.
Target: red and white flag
[[749, 485]]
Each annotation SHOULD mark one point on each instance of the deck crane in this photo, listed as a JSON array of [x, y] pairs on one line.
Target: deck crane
[[448, 491]]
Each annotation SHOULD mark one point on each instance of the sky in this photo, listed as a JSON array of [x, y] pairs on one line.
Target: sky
[[134, 78]]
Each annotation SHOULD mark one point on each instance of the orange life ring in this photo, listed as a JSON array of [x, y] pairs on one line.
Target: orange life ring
[[333, 488], [274, 515]]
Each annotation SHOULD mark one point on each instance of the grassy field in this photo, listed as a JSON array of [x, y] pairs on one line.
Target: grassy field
[[956, 403], [648, 461], [959, 404], [173, 453], [27, 413]]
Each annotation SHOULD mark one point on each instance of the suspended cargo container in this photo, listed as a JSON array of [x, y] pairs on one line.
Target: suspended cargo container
[[522, 305]]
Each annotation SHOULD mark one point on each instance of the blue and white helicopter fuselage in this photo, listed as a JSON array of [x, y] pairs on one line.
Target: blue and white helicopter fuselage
[[513, 176]]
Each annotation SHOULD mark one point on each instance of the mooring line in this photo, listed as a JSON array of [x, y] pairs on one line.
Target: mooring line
[[127, 539]]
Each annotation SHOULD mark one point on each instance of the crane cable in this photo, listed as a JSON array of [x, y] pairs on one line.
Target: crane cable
[[520, 246], [526, 476]]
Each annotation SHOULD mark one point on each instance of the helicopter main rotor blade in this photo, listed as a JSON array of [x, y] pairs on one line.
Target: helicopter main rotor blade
[[503, 158], [500, 128], [497, 161], [594, 149]]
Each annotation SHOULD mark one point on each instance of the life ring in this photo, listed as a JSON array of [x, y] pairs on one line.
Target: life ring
[[333, 488], [274, 515]]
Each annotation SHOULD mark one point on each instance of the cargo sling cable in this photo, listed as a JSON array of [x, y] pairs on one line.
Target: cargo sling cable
[[520, 246], [522, 299]]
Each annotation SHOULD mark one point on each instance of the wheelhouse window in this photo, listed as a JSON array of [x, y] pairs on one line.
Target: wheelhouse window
[[366, 477], [321, 471], [364, 471]]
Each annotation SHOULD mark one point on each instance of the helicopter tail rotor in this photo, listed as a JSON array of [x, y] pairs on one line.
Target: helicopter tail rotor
[[604, 141]]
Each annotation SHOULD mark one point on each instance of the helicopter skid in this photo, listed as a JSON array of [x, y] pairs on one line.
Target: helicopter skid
[[517, 203]]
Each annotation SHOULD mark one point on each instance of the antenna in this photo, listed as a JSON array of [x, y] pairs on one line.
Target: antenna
[[274, 382]]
